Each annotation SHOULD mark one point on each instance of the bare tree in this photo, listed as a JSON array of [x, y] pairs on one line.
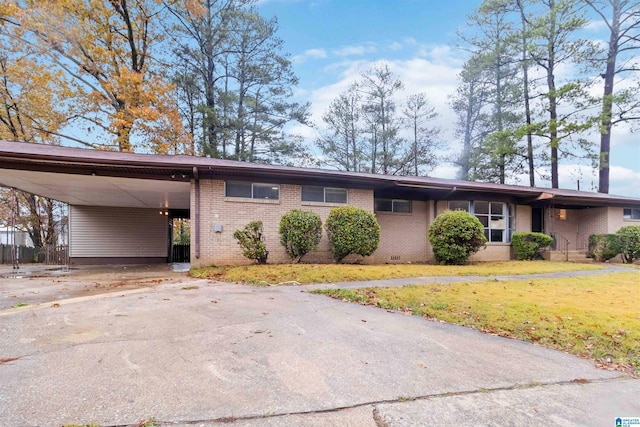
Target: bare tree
[[421, 155]]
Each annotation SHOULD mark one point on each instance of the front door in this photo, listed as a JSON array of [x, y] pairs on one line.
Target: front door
[[537, 220]]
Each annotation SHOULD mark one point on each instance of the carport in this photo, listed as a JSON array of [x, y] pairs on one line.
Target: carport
[[121, 207]]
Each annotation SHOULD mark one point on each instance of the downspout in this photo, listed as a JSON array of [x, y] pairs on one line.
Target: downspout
[[196, 180]]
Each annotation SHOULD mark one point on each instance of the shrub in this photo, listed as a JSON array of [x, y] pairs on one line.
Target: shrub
[[603, 247], [300, 232], [251, 241], [352, 230], [455, 236], [629, 241], [528, 246]]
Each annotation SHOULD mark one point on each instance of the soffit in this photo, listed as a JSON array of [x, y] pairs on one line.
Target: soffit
[[96, 190]]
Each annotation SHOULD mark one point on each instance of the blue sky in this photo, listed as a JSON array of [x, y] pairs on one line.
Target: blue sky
[[332, 41]]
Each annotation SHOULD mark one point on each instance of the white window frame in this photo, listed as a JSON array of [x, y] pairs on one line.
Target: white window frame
[[507, 215]]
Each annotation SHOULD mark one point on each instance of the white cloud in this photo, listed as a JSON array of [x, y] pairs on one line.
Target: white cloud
[[395, 46], [624, 182], [596, 26], [356, 50], [445, 170], [310, 54]]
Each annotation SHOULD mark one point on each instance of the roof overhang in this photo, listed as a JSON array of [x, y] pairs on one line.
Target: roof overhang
[[104, 178]]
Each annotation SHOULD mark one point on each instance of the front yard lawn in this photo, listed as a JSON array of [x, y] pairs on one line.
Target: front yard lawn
[[326, 273], [596, 317]]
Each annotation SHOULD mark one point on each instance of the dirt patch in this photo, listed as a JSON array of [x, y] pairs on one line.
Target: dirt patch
[[30, 287]]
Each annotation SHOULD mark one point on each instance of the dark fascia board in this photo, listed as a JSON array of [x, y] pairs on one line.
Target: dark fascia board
[[154, 166]]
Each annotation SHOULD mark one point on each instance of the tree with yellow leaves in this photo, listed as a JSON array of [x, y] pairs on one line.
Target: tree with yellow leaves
[[33, 108], [105, 51]]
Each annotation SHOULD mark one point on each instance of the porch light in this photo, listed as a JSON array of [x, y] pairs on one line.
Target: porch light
[[562, 214]]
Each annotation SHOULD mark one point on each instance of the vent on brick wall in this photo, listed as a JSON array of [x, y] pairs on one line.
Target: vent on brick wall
[[395, 257]]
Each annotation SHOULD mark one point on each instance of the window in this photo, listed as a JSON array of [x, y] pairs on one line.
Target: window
[[459, 205], [251, 190], [311, 193], [393, 205], [631, 213], [497, 218]]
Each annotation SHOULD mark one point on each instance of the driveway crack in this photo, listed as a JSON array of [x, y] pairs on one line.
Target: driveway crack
[[376, 415]]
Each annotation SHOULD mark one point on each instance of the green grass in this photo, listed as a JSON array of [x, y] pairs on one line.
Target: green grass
[[596, 317], [327, 273]]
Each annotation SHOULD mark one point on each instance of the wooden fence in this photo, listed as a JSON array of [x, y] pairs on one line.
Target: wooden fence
[[53, 255]]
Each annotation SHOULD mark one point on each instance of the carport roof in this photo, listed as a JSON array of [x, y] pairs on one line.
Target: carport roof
[[106, 178]]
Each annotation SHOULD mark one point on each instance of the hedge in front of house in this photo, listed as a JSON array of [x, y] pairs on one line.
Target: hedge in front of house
[[455, 236], [629, 241], [603, 247], [352, 230], [529, 245], [300, 232]]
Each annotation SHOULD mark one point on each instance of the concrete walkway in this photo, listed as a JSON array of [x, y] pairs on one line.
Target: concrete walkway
[[204, 353], [607, 269]]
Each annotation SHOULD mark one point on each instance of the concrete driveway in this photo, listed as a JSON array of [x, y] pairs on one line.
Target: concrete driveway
[[203, 353]]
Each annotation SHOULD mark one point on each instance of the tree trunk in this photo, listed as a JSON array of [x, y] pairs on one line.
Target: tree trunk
[[465, 159], [553, 100], [527, 106], [607, 100], [123, 127], [415, 146]]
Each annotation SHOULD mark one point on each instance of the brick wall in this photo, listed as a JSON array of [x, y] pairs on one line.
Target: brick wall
[[234, 213], [590, 221], [615, 220], [403, 237], [493, 252]]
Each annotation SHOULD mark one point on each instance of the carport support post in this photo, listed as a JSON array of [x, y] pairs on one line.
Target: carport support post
[[196, 180]]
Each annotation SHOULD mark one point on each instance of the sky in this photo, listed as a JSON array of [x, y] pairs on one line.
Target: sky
[[332, 41]]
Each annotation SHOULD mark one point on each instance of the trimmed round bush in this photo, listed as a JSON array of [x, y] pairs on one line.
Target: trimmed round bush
[[455, 236], [352, 230], [629, 243], [251, 241], [528, 246], [300, 232]]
